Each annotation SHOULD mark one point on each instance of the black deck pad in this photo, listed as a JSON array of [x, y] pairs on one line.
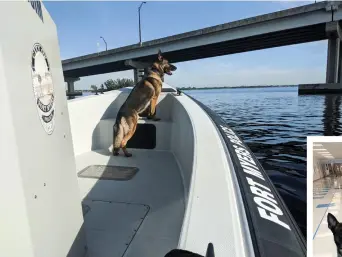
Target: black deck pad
[[185, 253], [144, 137], [107, 172], [182, 253]]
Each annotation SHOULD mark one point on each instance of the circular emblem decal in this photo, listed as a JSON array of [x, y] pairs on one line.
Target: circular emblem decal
[[43, 88]]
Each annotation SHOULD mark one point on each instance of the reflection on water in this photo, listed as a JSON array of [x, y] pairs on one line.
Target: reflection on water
[[275, 122], [332, 115]]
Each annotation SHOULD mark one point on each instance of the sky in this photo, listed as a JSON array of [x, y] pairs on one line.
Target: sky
[[80, 24]]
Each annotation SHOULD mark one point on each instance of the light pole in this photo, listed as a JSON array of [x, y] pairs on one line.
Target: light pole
[[104, 42], [139, 22]]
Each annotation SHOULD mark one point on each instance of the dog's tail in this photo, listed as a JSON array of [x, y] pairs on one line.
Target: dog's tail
[[118, 135]]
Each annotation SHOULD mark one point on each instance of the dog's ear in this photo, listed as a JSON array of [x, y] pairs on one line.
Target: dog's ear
[[332, 221], [160, 57]]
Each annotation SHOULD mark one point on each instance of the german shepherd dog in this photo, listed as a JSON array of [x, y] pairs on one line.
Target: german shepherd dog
[[144, 94], [336, 229]]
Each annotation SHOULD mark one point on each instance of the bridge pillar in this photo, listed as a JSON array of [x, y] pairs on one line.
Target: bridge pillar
[[334, 52], [140, 69], [334, 60], [339, 71], [138, 75], [146, 70], [71, 86], [334, 64]]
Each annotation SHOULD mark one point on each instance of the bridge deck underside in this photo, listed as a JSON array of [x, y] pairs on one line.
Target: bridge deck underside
[[274, 39]]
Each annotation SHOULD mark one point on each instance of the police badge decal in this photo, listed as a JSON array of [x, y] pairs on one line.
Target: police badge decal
[[43, 88]]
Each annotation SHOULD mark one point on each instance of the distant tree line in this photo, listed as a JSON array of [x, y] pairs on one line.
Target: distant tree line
[[112, 85]]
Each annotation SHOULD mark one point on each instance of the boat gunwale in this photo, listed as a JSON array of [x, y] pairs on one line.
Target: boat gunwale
[[238, 243]]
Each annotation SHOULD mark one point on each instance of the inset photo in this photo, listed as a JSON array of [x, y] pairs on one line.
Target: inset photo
[[325, 195]]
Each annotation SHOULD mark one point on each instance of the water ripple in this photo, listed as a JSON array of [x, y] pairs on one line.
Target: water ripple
[[275, 122]]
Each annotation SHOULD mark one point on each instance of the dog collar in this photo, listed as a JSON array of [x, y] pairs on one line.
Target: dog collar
[[155, 76], [155, 70]]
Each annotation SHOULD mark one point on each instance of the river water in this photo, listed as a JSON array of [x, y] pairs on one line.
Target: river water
[[274, 122]]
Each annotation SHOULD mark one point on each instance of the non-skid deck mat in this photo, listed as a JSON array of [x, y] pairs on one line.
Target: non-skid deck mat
[[111, 227], [108, 172]]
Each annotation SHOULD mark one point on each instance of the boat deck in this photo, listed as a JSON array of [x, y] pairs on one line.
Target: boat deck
[[137, 217], [326, 198]]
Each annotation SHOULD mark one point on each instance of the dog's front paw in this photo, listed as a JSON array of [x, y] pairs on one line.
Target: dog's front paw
[[128, 154]]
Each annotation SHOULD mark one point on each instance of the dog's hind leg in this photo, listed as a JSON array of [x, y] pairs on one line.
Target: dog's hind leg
[[125, 140], [128, 136], [116, 151], [118, 134], [127, 154]]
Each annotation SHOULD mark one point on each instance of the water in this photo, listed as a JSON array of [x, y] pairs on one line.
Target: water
[[274, 122]]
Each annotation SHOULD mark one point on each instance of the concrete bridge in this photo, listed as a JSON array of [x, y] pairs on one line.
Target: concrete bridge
[[303, 24]]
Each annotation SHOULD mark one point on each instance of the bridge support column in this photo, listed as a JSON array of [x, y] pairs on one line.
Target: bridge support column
[[138, 75], [334, 60], [71, 87], [146, 70], [334, 34], [140, 69], [334, 64], [339, 71]]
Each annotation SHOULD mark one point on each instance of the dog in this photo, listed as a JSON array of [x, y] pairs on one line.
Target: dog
[[336, 229], [144, 94]]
